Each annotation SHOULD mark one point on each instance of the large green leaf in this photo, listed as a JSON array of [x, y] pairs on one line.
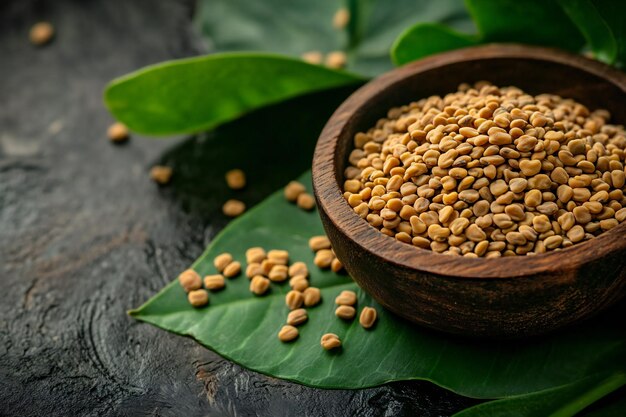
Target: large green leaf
[[296, 26], [602, 24], [196, 94], [564, 401], [243, 328]]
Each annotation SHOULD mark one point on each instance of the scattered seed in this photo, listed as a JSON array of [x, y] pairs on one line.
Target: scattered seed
[[341, 18], [324, 258], [198, 298], [254, 269], [368, 317], [294, 299], [278, 273], [287, 333], [278, 257], [236, 179], [222, 260], [346, 298], [306, 201], [41, 33], [330, 341], [118, 132], [266, 266], [317, 243], [255, 255], [336, 265], [336, 59], [313, 57], [298, 268], [312, 296], [232, 269], [233, 208], [190, 280], [161, 174], [299, 283], [293, 190], [345, 312], [259, 285], [214, 282], [297, 317]]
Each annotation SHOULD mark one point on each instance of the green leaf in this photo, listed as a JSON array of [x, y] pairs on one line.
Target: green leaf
[[602, 24], [540, 22], [294, 27], [243, 328], [426, 39], [196, 94], [613, 405], [564, 401]]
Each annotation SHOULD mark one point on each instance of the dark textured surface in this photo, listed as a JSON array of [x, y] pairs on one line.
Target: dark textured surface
[[84, 235]]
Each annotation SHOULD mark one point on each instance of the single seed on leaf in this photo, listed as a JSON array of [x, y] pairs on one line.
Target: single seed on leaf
[[161, 174], [117, 132], [41, 33], [190, 280], [319, 242], [297, 317], [299, 283], [233, 208], [294, 299], [222, 260], [345, 312], [267, 266], [336, 265], [341, 18], [278, 257], [323, 258], [278, 273], [259, 285], [293, 190], [198, 298], [236, 179], [306, 201], [214, 282], [254, 269], [312, 296], [368, 317], [255, 255], [330, 341], [313, 57], [346, 298], [287, 333], [232, 269], [336, 59], [298, 268]]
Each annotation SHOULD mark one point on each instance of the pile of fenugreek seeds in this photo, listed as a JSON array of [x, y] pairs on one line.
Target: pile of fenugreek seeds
[[491, 172], [264, 268]]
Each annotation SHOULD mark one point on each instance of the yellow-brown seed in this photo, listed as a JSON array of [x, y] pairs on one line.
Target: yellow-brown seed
[[306, 201], [41, 33], [297, 317], [118, 132], [317, 243], [313, 57], [254, 269], [368, 317], [341, 18], [233, 208], [161, 174], [235, 179], [294, 299], [298, 268], [323, 258], [222, 260], [214, 282], [293, 190], [288, 333], [345, 312], [312, 296], [336, 59], [330, 341], [259, 285], [232, 269], [278, 273], [336, 265], [255, 255], [278, 257], [198, 298], [190, 280], [299, 283], [347, 298]]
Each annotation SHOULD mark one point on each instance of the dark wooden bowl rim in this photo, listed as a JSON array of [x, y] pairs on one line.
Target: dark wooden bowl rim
[[330, 196]]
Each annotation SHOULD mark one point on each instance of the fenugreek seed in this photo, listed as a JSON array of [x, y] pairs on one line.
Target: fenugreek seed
[[516, 238], [259, 285], [214, 282], [313, 57], [190, 280], [266, 266], [341, 18], [553, 242], [312, 296], [541, 223], [336, 265], [236, 179], [222, 260], [323, 258], [161, 174], [233, 208], [255, 255], [198, 298], [305, 201], [620, 215], [458, 226], [530, 167], [299, 283], [336, 59], [330, 341], [118, 132], [287, 333], [278, 273], [368, 317], [475, 233], [278, 256], [347, 298], [298, 268], [41, 33], [232, 269], [576, 233], [317, 243], [293, 190], [532, 198], [254, 269], [294, 299], [345, 312], [297, 317], [582, 215]]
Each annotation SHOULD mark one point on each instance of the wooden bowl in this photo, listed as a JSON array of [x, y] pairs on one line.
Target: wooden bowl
[[502, 297]]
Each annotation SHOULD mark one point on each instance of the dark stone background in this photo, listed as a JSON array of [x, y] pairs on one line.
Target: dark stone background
[[84, 235]]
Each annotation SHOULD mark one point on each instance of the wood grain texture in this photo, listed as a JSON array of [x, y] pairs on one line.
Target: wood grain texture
[[509, 296], [85, 235]]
